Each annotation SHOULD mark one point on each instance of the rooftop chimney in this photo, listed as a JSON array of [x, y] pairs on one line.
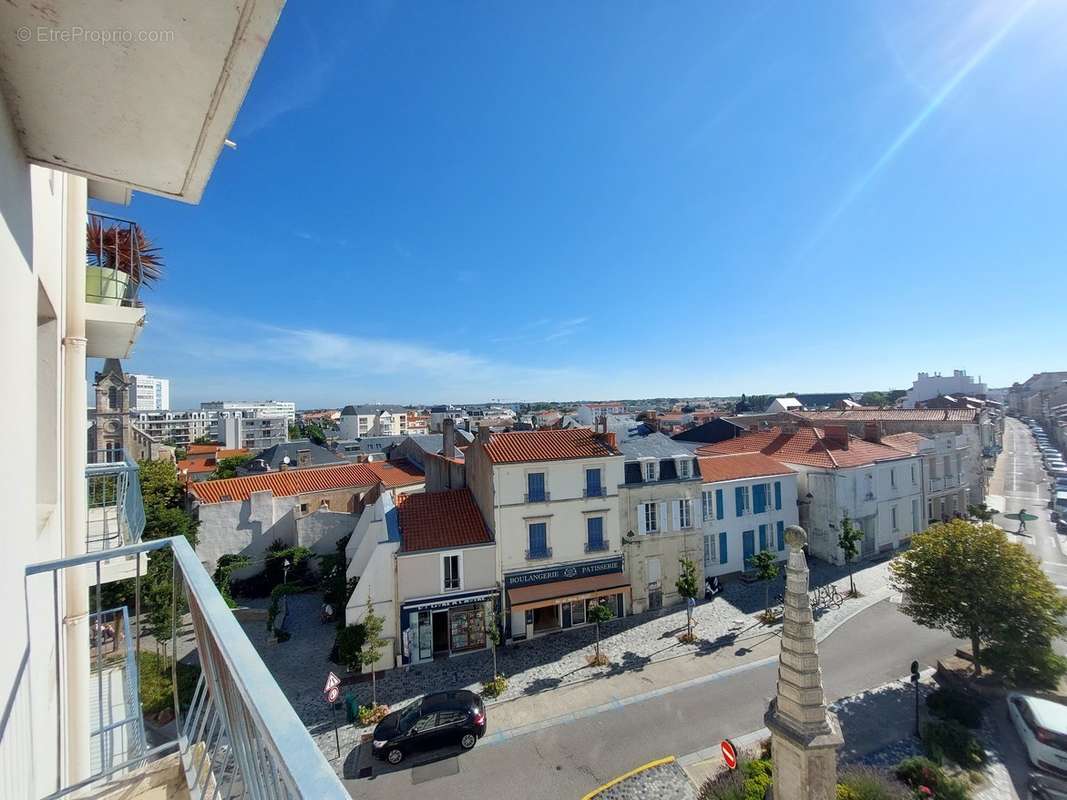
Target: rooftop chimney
[[483, 434], [303, 458], [790, 426], [836, 436], [608, 438], [872, 431], [448, 435]]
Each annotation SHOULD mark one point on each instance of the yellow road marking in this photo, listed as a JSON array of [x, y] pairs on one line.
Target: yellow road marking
[[630, 774]]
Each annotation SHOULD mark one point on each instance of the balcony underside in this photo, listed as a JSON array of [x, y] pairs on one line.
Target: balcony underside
[[112, 330], [141, 95]]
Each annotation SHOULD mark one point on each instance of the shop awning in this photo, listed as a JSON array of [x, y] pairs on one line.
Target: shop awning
[[565, 591]]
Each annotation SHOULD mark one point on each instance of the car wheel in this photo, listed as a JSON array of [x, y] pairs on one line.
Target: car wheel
[[468, 741], [395, 756]]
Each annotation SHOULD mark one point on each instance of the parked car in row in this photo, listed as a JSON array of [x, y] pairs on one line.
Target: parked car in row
[[1042, 726]]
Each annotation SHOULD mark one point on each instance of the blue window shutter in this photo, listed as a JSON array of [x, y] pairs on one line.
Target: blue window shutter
[[748, 539], [762, 537], [759, 498], [595, 530], [781, 535], [739, 501], [720, 511], [723, 556], [778, 497], [538, 537]]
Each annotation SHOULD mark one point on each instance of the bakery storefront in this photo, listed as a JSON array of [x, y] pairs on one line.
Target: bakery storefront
[[444, 626], [558, 596]]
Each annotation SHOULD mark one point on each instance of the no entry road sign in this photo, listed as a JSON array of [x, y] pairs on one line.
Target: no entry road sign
[[729, 754]]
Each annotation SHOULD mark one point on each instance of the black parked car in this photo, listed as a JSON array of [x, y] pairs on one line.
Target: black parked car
[[437, 720]]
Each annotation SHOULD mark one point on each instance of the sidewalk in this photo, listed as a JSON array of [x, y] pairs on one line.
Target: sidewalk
[[549, 678]]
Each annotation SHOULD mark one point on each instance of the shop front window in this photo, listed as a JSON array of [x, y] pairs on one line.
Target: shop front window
[[467, 627], [578, 613]]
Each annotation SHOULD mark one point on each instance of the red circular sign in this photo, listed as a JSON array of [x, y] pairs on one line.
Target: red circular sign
[[729, 755], [332, 695]]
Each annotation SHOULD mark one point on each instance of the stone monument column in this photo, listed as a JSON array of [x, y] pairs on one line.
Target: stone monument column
[[804, 735]]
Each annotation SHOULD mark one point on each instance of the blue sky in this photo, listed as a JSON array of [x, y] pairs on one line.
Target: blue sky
[[463, 201]]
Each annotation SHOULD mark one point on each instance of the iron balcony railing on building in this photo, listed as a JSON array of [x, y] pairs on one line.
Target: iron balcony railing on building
[[537, 497], [235, 736], [116, 511], [118, 260], [596, 547], [539, 554]]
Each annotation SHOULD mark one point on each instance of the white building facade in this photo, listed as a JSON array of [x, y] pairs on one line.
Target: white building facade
[[551, 500], [358, 422], [149, 393], [272, 408], [747, 502], [927, 387]]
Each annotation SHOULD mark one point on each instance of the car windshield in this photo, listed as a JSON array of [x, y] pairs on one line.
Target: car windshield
[[409, 716]]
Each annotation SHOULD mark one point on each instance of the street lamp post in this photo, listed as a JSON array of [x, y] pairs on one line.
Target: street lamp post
[[285, 571]]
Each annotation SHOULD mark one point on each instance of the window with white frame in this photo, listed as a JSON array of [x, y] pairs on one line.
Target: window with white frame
[[451, 572], [685, 513], [685, 468], [650, 470], [650, 517], [706, 507]]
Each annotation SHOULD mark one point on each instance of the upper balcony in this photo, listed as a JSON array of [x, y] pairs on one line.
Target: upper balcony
[[234, 733], [119, 261]]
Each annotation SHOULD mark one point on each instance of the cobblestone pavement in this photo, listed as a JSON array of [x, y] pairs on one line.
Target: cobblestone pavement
[[664, 781], [301, 664]]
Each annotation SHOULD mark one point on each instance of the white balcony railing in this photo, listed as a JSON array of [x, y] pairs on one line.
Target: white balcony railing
[[236, 736], [116, 510]]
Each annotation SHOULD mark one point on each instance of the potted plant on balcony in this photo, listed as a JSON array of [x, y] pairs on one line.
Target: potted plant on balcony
[[119, 259]]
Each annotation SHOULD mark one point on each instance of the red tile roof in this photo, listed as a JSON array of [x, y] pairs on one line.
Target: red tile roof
[[317, 479], [892, 415], [547, 445], [740, 465], [808, 446], [908, 442], [440, 520]]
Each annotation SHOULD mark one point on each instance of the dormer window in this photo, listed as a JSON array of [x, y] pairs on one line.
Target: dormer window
[[685, 468], [650, 470]]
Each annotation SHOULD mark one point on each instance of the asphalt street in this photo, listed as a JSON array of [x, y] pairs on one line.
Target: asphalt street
[[1022, 481], [570, 759]]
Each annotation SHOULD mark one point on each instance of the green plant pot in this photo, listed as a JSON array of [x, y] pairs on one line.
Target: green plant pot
[[105, 286]]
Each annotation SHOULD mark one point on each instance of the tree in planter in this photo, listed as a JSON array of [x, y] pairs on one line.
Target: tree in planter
[[765, 565], [371, 652], [687, 588], [968, 579], [849, 542], [350, 641], [492, 630], [599, 613]]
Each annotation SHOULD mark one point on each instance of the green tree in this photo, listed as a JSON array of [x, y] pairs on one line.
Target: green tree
[[314, 432], [350, 641], [294, 431], [765, 565], [982, 512], [876, 399], [227, 564], [687, 588], [159, 485], [598, 614], [849, 541], [203, 440], [227, 467], [970, 580], [492, 630], [371, 652]]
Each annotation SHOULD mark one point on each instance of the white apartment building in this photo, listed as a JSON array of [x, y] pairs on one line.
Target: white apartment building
[[149, 393], [360, 421], [551, 501], [63, 118], [928, 387], [180, 428], [877, 486], [946, 492], [270, 408], [589, 413], [747, 502], [252, 430]]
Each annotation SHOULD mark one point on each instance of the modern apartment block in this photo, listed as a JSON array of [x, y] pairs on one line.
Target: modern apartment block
[[249, 429], [269, 408], [360, 421], [148, 393], [96, 121], [179, 428], [928, 387]]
